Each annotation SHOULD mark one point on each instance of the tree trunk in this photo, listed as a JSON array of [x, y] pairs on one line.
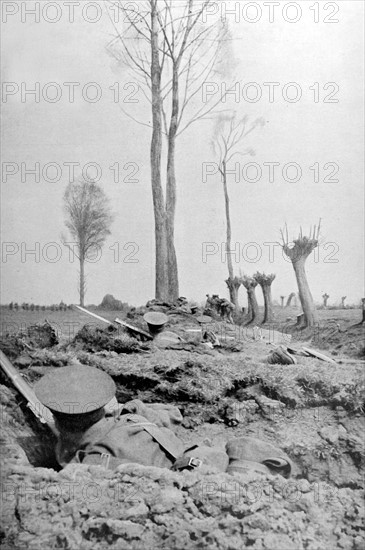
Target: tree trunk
[[249, 308], [173, 282], [269, 314], [290, 297], [82, 281], [161, 266], [253, 305], [282, 301], [233, 287], [228, 220], [306, 299]]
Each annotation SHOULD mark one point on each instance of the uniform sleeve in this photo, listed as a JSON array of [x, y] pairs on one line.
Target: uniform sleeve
[[162, 415]]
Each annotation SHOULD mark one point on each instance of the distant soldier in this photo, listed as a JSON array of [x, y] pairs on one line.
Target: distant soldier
[[226, 308]]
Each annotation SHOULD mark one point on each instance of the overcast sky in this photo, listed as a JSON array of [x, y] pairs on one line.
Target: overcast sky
[[321, 132]]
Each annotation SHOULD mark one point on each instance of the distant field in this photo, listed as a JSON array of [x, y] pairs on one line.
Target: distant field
[[69, 322]]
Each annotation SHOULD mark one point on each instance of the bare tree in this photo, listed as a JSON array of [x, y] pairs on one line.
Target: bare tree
[[250, 285], [88, 218], [302, 247], [265, 281], [171, 55], [228, 135], [282, 298], [325, 297]]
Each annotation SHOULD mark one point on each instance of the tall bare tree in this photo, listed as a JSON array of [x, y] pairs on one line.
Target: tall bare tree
[[228, 135], [265, 282], [88, 219], [298, 253], [172, 55]]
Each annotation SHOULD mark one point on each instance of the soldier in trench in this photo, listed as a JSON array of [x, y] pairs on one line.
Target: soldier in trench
[[93, 428]]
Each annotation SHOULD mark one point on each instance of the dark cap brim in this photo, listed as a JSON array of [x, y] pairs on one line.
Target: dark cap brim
[[75, 390]]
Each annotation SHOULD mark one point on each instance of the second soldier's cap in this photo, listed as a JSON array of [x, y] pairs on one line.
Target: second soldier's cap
[[204, 319], [75, 389], [156, 318], [156, 321]]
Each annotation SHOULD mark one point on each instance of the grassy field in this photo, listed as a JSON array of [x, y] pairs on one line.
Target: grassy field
[[68, 323]]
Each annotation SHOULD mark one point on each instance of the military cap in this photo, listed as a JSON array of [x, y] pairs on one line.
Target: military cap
[[156, 318], [75, 389], [156, 321], [204, 319]]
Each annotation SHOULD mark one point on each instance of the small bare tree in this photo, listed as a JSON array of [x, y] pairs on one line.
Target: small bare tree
[[250, 285], [88, 219], [228, 135], [298, 253], [265, 282]]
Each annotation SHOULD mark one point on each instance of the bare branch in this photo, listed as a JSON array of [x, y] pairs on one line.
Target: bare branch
[[134, 119]]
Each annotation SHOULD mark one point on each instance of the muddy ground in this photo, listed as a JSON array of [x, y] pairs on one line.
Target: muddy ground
[[313, 410]]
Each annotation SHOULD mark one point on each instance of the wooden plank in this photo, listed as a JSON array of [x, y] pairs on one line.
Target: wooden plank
[[119, 322], [319, 355], [94, 315]]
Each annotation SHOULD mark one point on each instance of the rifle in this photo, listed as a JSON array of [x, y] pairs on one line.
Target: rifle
[[42, 413], [119, 322]]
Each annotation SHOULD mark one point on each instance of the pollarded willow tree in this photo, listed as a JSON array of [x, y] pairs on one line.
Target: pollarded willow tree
[[325, 297], [88, 219], [228, 136], [171, 54], [291, 297], [265, 282], [298, 253], [250, 285]]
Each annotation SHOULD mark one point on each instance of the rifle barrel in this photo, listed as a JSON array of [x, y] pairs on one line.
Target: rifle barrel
[[21, 385]]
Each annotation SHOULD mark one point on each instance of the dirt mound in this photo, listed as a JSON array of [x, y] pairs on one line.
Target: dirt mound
[[348, 341], [110, 303], [35, 336], [138, 507], [96, 339]]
